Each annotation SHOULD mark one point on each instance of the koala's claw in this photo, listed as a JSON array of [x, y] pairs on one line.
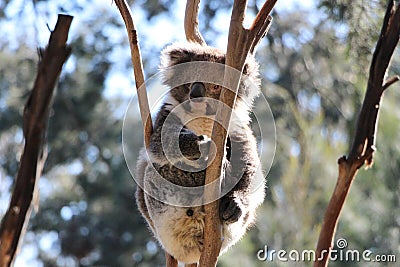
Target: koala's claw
[[204, 138], [229, 210], [204, 145]]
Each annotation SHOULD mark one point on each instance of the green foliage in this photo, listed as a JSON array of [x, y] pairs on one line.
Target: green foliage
[[314, 65], [357, 18]]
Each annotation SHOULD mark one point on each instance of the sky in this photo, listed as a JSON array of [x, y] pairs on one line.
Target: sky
[[117, 83]]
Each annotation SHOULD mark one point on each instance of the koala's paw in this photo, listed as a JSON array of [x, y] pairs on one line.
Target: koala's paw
[[229, 210], [204, 146]]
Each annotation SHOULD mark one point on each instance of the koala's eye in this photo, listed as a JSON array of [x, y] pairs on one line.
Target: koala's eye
[[189, 212], [216, 86]]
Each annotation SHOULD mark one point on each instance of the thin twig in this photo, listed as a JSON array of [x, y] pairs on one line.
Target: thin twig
[[36, 116], [262, 22], [192, 22], [137, 69], [363, 145], [263, 30], [390, 81]]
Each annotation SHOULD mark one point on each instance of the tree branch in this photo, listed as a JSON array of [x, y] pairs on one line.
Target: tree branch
[[363, 146], [240, 42], [36, 116], [192, 22], [261, 24], [260, 34], [390, 81], [137, 69]]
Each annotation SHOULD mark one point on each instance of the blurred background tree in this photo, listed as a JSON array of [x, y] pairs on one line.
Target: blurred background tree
[[314, 65]]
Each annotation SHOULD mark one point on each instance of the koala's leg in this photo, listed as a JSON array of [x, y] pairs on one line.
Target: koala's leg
[[140, 194], [244, 171], [141, 203]]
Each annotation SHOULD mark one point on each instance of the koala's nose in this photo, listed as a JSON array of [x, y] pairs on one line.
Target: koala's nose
[[197, 90]]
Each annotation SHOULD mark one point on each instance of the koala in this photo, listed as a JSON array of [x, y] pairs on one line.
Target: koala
[[183, 127]]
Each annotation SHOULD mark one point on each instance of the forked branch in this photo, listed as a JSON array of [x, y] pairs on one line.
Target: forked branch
[[363, 146], [241, 42], [36, 116]]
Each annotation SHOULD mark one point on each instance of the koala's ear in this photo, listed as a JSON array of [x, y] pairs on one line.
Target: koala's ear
[[250, 84], [246, 69], [175, 54], [180, 56], [250, 69]]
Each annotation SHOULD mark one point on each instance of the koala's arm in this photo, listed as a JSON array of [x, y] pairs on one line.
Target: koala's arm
[[164, 139], [140, 195], [243, 169]]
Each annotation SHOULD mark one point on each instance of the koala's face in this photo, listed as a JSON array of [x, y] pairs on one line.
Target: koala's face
[[198, 97], [201, 97]]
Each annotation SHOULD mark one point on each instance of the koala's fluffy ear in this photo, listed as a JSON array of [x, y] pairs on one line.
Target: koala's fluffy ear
[[172, 55], [250, 69], [176, 54], [250, 85], [186, 52]]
